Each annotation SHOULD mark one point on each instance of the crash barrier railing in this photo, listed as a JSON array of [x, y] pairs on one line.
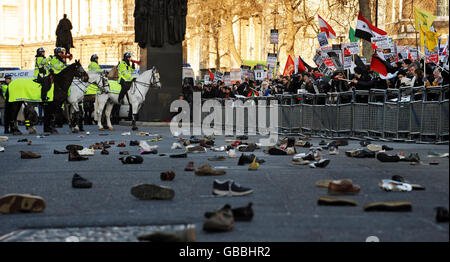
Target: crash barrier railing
[[418, 114]]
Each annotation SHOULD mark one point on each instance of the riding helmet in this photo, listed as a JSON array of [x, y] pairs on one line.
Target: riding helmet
[[126, 55], [93, 57]]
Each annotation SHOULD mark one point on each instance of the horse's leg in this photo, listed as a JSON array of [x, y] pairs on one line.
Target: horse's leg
[[134, 110], [80, 117], [49, 111], [74, 117], [102, 99], [29, 123], [109, 107]]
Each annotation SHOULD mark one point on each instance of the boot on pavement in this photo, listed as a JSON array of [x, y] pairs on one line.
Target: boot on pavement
[[75, 156], [220, 221], [29, 155]]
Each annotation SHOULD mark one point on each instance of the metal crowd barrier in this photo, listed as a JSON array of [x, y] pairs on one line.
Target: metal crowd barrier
[[419, 114]]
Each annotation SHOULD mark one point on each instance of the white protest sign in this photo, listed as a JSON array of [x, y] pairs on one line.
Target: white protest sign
[[227, 80], [271, 60], [380, 42], [413, 53], [402, 52], [207, 80], [323, 40], [235, 75], [351, 48], [348, 61], [318, 59], [260, 75], [218, 76], [274, 36], [295, 65]]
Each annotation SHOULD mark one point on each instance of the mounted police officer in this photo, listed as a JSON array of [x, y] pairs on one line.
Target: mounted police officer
[[125, 74], [93, 66], [41, 73], [55, 66], [4, 93]]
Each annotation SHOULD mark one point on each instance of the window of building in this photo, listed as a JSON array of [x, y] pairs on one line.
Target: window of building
[[442, 8], [9, 22]]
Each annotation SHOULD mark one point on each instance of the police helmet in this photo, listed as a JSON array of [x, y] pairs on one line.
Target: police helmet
[[39, 50], [126, 55], [93, 57]]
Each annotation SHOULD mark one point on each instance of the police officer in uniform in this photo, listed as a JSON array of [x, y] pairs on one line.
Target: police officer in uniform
[[4, 93], [125, 74], [93, 66]]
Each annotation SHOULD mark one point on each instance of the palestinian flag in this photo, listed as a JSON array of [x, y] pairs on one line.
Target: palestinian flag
[[325, 27], [308, 67], [378, 65], [301, 67], [365, 30], [351, 35], [211, 76]]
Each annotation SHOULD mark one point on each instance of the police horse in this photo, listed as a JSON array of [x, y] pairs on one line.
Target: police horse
[[21, 90], [135, 97], [79, 90]]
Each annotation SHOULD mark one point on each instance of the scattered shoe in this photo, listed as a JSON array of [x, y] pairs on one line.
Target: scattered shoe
[[391, 185], [86, 152], [56, 152], [132, 160], [207, 170], [332, 201], [195, 149], [254, 165], [340, 142], [142, 134], [365, 154], [438, 155], [321, 163], [75, 156], [352, 153], [80, 182], [236, 143], [152, 192], [386, 148], [190, 167], [123, 144], [332, 150], [134, 143], [124, 153], [442, 214], [276, 151], [402, 206], [220, 221], [148, 152], [2, 149], [326, 183], [184, 155], [365, 143], [3, 138], [29, 155], [111, 143], [323, 143], [167, 176], [243, 213], [126, 134], [413, 158], [217, 158], [243, 137], [176, 146], [374, 148], [187, 235], [218, 148], [383, 157], [29, 143], [104, 152], [251, 147], [14, 203], [22, 140], [230, 188], [342, 187], [231, 153]]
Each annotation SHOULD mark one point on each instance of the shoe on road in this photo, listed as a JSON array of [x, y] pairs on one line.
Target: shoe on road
[[80, 182], [75, 156], [391, 185], [217, 158], [187, 235], [74, 147], [207, 170], [134, 143], [402, 206], [383, 157], [230, 188], [332, 201], [184, 155], [152, 192], [220, 221], [441, 214], [167, 176], [342, 187], [56, 152], [321, 163], [29, 155], [132, 160], [14, 203], [189, 167], [195, 149], [104, 152], [86, 152]]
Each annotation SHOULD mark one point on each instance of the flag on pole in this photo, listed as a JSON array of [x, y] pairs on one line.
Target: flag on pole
[[351, 35], [301, 66], [378, 65], [431, 40], [325, 27], [423, 19], [308, 67], [365, 30], [211, 76], [290, 67]]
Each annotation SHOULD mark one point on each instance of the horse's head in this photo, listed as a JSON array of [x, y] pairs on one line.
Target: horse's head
[[156, 79], [80, 72]]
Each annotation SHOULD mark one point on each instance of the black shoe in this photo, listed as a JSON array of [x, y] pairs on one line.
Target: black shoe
[[132, 160], [309, 156], [79, 182], [386, 148], [243, 137], [413, 157], [323, 143], [228, 187], [56, 152], [74, 147], [134, 143], [321, 163], [104, 152], [442, 214], [75, 156], [341, 142], [150, 192], [276, 152], [383, 157], [365, 154], [247, 148], [184, 155], [22, 140], [398, 178], [245, 159], [243, 213]]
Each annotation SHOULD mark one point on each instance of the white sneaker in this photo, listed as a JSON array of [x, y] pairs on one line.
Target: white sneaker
[[176, 146], [231, 153], [2, 149], [218, 149], [126, 134], [299, 157], [3, 138], [391, 185], [146, 147], [86, 152]]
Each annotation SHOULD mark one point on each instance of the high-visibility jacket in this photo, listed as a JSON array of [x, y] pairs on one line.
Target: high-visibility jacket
[[57, 65], [41, 62], [125, 72], [4, 90], [93, 66]]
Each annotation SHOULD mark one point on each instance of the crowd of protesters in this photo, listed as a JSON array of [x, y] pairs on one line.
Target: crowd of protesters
[[401, 74]]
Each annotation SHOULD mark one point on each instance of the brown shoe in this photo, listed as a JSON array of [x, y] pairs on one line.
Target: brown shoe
[[111, 142], [150, 192], [220, 221], [29, 155], [96, 146], [331, 201], [75, 156], [190, 167], [123, 144], [207, 170], [14, 203], [186, 235], [401, 206], [125, 153], [342, 187]]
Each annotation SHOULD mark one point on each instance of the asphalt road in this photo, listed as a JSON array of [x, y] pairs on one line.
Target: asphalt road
[[285, 196]]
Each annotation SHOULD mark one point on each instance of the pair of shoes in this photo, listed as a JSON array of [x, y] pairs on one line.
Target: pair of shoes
[[333, 150], [80, 182], [189, 167], [230, 188], [360, 153], [14, 203], [123, 144], [132, 160], [22, 140], [207, 170], [167, 176], [29, 155], [195, 149], [152, 192]]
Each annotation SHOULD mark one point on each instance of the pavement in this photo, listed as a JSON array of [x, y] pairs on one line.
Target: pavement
[[284, 198]]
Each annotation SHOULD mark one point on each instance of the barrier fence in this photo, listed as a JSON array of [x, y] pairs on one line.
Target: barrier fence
[[418, 114]]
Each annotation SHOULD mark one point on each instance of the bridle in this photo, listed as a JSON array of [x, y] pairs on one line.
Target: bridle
[[154, 81], [102, 79]]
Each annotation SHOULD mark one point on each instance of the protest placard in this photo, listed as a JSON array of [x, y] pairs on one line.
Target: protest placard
[[323, 40], [352, 48], [235, 75], [274, 36], [380, 42]]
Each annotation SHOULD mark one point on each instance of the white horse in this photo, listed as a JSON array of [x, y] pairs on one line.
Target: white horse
[[77, 92], [134, 97]]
